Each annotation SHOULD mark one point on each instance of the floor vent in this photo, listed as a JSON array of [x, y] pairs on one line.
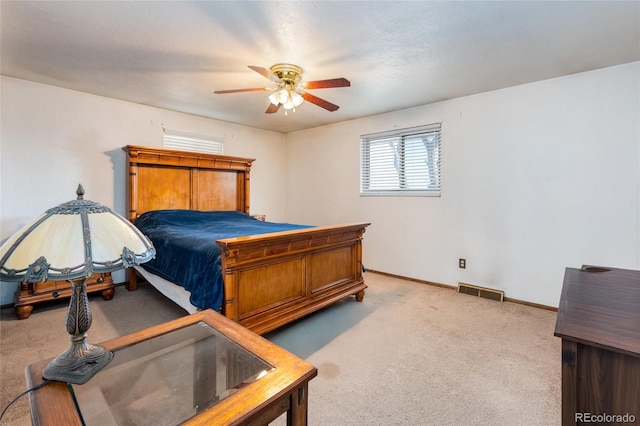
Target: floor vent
[[487, 293]]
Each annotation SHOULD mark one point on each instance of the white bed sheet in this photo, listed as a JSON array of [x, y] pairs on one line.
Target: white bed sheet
[[173, 291]]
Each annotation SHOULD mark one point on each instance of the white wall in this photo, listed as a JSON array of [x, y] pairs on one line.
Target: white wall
[[51, 139], [535, 178]]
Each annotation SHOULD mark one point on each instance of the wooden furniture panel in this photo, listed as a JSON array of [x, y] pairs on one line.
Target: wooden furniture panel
[[227, 197], [176, 196], [270, 279], [599, 323], [30, 294], [269, 286], [332, 267]]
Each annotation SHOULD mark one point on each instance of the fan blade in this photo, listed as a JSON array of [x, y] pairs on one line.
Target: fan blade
[[327, 84], [255, 89], [272, 108], [267, 74], [320, 102]]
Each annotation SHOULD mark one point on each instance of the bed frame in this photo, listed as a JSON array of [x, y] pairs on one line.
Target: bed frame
[[270, 279]]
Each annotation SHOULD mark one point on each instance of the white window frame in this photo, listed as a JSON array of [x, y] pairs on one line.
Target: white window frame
[[402, 162], [183, 141]]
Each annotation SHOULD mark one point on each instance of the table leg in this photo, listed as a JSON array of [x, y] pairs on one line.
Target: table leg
[[297, 415]]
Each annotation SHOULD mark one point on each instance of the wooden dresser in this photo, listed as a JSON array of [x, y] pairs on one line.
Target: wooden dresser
[[599, 323], [29, 294]]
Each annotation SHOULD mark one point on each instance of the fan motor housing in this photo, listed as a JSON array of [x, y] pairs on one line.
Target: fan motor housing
[[288, 73]]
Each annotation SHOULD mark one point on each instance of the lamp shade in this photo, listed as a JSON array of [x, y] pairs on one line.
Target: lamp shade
[[273, 98], [282, 96], [296, 99], [75, 239]]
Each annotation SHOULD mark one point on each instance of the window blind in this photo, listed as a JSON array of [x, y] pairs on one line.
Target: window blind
[[401, 162], [192, 142]]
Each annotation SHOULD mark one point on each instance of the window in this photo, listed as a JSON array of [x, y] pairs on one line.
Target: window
[[401, 162], [191, 142]]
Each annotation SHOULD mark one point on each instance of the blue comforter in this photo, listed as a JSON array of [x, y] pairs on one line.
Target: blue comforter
[[186, 249]]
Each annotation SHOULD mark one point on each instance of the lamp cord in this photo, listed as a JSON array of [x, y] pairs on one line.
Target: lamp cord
[[36, 387]]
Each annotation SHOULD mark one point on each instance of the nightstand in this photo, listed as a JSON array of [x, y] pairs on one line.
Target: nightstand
[[29, 294]]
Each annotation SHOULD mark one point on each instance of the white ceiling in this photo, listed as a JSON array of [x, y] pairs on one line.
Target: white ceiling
[[396, 54]]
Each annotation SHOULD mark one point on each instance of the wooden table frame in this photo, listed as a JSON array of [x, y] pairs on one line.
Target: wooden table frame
[[283, 390]]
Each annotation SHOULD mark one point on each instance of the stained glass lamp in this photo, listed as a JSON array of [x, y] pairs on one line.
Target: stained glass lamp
[[72, 242]]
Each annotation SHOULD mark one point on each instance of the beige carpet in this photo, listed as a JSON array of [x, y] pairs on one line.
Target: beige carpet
[[409, 354]]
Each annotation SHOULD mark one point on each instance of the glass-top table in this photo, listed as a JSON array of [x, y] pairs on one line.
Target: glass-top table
[[199, 369], [168, 378]]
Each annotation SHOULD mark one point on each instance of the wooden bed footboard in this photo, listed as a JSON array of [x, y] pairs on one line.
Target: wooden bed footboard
[[273, 279]]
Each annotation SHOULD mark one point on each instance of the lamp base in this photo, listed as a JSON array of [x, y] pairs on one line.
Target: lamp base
[[77, 365]]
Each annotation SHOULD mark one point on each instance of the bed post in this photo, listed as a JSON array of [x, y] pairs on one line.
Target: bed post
[[247, 194], [132, 195], [230, 304], [359, 266], [132, 185]]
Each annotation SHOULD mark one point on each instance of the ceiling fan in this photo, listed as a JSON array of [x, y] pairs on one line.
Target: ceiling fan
[[290, 91]]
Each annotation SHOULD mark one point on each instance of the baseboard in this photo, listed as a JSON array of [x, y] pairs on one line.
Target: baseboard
[[532, 304], [455, 288], [416, 280]]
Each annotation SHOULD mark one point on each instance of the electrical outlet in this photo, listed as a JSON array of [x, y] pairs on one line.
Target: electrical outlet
[[462, 263]]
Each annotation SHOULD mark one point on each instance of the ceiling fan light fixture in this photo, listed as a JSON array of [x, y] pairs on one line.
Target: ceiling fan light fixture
[[287, 97], [290, 91]]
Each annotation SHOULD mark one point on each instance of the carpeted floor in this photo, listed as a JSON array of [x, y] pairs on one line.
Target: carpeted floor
[[409, 354]]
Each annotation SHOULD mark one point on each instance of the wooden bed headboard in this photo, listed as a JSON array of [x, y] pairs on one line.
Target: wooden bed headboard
[[169, 179]]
